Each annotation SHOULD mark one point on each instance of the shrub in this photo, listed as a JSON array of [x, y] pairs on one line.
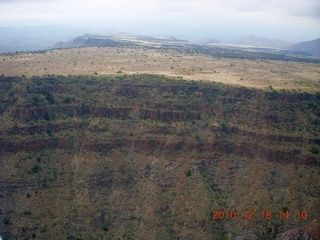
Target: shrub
[[27, 213], [66, 100], [6, 221], [35, 100], [46, 117], [314, 150], [312, 104], [189, 173], [35, 169], [49, 97]]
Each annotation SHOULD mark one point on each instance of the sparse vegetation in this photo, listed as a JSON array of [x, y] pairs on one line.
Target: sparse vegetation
[[195, 62], [110, 152]]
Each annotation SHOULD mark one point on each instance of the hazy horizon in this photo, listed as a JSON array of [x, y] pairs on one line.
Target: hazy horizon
[[189, 19]]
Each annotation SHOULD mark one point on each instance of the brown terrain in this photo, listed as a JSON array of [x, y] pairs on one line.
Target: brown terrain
[[114, 143], [258, 73]]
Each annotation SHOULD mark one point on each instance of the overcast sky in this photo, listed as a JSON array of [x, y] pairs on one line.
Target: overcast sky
[[291, 20]]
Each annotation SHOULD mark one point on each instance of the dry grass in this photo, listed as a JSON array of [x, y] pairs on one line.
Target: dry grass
[[297, 76]]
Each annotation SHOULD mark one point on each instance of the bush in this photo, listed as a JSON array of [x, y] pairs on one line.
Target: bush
[[46, 117], [27, 213], [314, 150], [66, 100], [6, 221], [312, 104], [49, 97], [188, 173], [35, 100], [35, 169]]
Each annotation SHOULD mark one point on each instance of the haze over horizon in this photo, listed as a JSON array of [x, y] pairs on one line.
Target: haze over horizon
[[294, 21]]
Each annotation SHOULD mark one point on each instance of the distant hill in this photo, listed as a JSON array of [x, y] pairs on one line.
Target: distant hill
[[209, 41], [311, 47], [89, 41], [114, 40], [262, 42]]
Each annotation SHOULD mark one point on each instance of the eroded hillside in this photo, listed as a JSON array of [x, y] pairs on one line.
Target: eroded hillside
[[146, 157]]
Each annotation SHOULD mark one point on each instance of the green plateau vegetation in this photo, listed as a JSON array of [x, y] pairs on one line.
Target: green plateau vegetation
[[151, 157]]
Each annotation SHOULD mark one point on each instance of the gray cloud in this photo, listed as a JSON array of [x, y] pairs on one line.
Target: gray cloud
[[28, 1], [312, 11], [211, 16]]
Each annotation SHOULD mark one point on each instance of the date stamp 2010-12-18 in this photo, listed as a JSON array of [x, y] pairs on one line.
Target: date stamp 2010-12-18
[[264, 214]]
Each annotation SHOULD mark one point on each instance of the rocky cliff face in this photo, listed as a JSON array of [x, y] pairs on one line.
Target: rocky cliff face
[[137, 157]]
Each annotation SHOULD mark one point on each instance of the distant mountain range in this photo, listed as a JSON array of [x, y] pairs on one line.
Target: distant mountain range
[[262, 42], [304, 48], [209, 41], [311, 47], [114, 40], [14, 39], [256, 43]]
